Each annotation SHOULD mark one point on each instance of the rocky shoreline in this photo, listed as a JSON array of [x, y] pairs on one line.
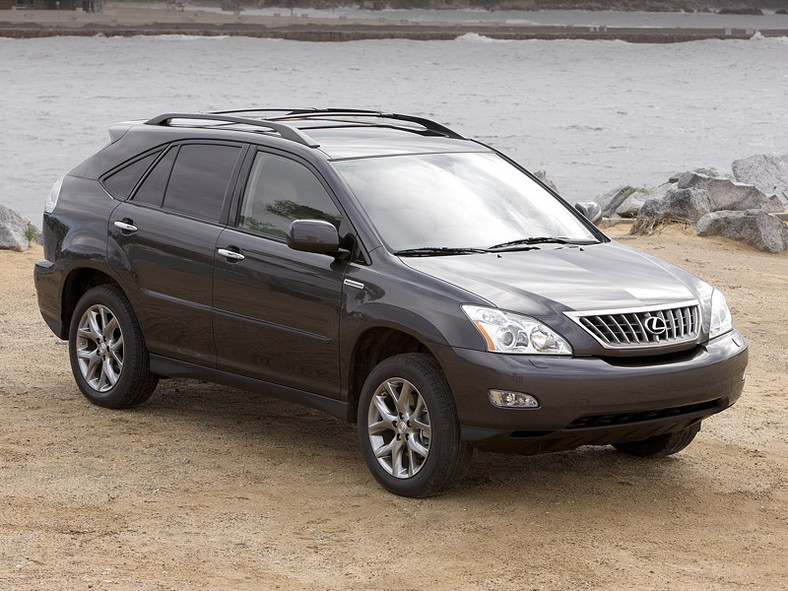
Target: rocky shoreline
[[748, 206]]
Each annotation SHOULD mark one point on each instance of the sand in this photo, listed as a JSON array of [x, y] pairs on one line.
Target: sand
[[205, 487]]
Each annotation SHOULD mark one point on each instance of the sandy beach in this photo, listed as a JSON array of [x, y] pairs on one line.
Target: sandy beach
[[128, 18], [205, 487]]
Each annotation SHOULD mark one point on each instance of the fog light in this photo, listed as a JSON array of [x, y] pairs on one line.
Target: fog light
[[504, 399]]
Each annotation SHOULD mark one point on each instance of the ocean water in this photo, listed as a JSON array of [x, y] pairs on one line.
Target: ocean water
[[594, 114]]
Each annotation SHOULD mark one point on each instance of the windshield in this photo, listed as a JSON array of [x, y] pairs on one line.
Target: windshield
[[456, 201]]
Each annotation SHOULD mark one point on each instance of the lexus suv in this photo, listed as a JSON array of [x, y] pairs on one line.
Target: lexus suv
[[386, 270]]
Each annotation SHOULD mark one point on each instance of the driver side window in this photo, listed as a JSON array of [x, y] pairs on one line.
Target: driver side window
[[280, 190]]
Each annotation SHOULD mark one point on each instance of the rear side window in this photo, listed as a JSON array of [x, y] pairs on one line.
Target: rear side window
[[199, 179], [121, 183]]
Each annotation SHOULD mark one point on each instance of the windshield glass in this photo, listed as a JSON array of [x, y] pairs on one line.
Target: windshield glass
[[465, 200]]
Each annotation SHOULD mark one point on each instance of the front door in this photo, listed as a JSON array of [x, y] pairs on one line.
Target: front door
[[276, 310]]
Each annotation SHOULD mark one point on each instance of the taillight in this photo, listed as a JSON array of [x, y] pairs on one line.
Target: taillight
[[49, 207]]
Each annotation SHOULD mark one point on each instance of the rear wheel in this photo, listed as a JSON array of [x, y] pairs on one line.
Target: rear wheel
[[108, 356], [660, 445], [408, 427]]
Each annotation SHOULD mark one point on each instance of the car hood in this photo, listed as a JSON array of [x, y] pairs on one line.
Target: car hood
[[556, 278]]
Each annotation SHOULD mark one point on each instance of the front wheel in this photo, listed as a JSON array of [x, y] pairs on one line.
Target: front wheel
[[108, 355], [660, 445], [408, 427]]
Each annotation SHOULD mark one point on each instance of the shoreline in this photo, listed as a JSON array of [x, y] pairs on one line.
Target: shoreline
[[126, 20]]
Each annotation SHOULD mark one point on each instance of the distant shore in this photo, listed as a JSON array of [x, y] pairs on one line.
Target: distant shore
[[125, 20]]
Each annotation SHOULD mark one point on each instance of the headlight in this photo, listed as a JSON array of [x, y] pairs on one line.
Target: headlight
[[506, 332], [720, 315]]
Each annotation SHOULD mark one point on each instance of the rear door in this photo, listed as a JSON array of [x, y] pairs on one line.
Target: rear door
[[276, 310], [163, 239]]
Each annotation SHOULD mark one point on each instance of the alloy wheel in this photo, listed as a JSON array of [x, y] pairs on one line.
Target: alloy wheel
[[399, 428], [100, 348]]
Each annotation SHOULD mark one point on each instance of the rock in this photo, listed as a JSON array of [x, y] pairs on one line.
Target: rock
[[753, 227], [729, 195], [741, 11], [712, 172], [686, 204], [678, 205], [610, 201], [631, 205], [768, 172], [606, 223], [231, 6], [542, 176], [13, 230]]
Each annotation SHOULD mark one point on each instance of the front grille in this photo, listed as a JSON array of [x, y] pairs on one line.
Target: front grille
[[642, 327], [639, 417]]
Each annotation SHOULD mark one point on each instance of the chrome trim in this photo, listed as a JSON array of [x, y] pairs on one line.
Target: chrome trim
[[356, 284], [626, 329], [231, 254], [125, 227]]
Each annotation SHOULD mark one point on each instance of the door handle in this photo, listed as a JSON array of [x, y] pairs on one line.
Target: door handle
[[126, 227], [231, 254]]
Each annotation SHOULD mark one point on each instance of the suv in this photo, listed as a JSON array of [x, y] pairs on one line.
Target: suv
[[386, 270]]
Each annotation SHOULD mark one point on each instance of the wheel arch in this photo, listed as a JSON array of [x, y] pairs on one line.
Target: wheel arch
[[78, 282], [373, 346]]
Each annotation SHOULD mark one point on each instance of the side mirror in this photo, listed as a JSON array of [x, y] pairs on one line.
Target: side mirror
[[590, 209], [316, 236]]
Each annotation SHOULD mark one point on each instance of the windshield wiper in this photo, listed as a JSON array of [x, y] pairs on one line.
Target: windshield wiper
[[427, 251], [541, 240]]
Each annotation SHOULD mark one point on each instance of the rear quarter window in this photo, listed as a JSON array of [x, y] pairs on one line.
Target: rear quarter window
[[121, 183], [151, 191]]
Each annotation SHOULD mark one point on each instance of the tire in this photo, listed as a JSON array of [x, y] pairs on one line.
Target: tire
[[660, 446], [408, 428], [108, 356]]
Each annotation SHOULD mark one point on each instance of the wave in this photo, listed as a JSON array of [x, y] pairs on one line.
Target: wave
[[182, 37], [476, 38]]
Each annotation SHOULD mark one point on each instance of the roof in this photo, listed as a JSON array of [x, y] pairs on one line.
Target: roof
[[338, 133]]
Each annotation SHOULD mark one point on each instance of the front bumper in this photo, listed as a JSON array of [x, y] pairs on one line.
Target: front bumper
[[592, 400]]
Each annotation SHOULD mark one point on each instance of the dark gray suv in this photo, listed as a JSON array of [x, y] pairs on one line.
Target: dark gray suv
[[386, 270]]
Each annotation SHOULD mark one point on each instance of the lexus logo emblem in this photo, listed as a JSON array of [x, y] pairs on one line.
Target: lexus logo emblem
[[656, 326]]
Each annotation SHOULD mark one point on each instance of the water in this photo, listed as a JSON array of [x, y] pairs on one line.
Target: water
[[594, 114]]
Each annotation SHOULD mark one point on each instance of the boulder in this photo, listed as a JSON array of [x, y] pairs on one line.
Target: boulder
[[232, 6], [631, 205], [753, 227], [729, 195], [13, 230], [678, 205], [542, 176], [685, 204], [768, 172], [610, 201], [712, 172]]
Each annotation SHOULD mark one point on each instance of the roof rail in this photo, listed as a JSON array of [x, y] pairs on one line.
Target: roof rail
[[310, 112], [286, 131]]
